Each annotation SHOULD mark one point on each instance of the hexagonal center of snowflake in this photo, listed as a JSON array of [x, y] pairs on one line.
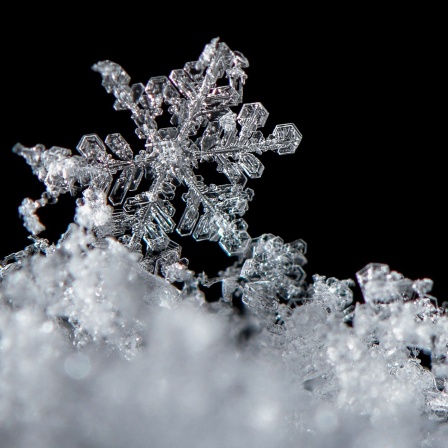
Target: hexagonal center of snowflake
[[171, 153]]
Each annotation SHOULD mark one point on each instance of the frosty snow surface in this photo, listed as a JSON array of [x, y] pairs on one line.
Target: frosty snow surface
[[106, 336]]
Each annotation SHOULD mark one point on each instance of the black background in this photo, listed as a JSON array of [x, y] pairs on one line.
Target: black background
[[367, 183]]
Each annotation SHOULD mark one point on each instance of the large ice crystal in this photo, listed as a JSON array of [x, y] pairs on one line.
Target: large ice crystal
[[108, 339], [204, 129]]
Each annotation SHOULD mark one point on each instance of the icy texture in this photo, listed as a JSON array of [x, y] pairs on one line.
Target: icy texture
[[96, 351], [99, 348]]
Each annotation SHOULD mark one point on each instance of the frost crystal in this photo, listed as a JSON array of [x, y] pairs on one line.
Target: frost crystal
[[99, 346], [204, 129]]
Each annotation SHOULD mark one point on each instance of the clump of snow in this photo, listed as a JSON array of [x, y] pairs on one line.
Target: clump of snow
[[94, 351]]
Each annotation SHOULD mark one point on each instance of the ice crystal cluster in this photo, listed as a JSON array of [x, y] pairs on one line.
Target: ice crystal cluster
[[108, 339]]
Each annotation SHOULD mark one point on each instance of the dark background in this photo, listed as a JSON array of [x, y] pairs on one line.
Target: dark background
[[367, 183]]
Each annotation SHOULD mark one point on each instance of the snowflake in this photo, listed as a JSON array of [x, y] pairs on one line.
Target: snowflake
[[204, 129]]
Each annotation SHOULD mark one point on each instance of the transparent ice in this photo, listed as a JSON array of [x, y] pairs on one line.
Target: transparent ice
[[107, 337]]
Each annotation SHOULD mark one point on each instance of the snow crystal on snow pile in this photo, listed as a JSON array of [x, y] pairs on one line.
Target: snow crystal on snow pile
[[107, 337]]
